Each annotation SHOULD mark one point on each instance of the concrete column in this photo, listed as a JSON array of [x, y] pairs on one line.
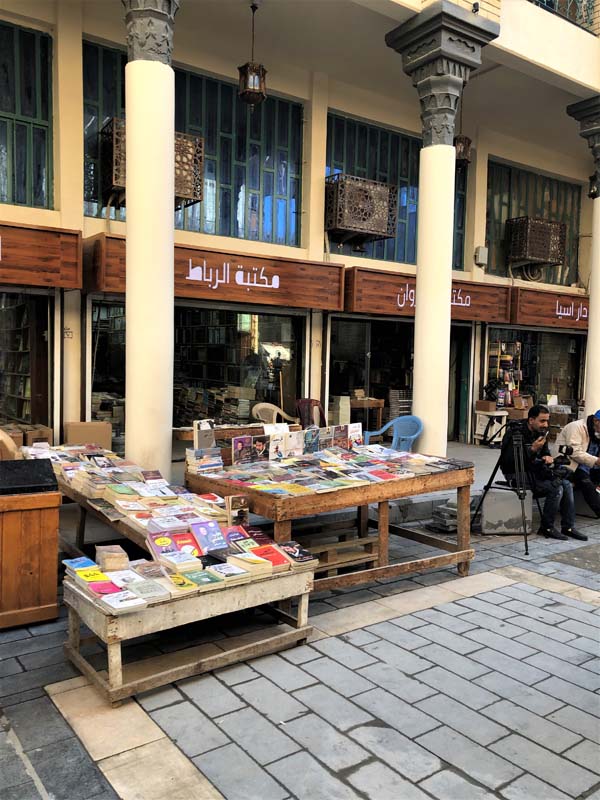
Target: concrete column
[[439, 48], [315, 148], [71, 354], [587, 113], [150, 131]]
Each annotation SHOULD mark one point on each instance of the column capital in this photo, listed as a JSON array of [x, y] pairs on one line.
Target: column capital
[[587, 114], [150, 29], [439, 47]]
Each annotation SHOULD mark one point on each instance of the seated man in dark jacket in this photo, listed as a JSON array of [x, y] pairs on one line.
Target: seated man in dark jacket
[[557, 489]]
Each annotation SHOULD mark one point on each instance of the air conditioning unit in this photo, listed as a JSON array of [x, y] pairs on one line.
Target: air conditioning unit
[[534, 241], [189, 166], [358, 210]]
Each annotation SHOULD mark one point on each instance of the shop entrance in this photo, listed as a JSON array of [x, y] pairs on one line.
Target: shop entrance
[[458, 387]]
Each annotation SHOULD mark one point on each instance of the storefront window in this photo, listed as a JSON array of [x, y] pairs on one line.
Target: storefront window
[[225, 362], [24, 342], [549, 364]]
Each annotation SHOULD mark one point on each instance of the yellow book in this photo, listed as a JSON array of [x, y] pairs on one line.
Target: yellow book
[[293, 488], [90, 575], [177, 583]]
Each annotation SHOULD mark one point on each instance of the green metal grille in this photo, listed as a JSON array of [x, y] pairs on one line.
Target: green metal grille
[[580, 12], [25, 117], [253, 160], [516, 192]]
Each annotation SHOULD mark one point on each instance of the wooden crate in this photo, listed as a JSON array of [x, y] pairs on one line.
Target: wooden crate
[[28, 558]]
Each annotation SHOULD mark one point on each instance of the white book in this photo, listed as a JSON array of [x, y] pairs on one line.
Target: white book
[[150, 590], [123, 577], [180, 560], [167, 524], [121, 602]]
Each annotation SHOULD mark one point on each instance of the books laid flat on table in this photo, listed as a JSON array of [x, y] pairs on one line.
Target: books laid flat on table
[[180, 562], [122, 603], [124, 577], [299, 556], [204, 580], [280, 562], [177, 584], [168, 524], [90, 575], [231, 574], [106, 509], [83, 562], [257, 567], [119, 491], [209, 537], [151, 591], [148, 569], [99, 588]]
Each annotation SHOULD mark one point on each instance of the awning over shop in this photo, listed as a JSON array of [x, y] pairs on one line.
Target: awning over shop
[[549, 309], [46, 257]]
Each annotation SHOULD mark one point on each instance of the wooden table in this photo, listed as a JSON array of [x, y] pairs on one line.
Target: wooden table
[[125, 680], [368, 403], [374, 558]]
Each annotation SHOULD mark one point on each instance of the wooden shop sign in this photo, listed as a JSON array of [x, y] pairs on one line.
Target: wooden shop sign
[[224, 276], [550, 309], [371, 291], [40, 257]]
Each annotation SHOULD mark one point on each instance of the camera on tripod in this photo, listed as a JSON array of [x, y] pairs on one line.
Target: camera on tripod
[[559, 468]]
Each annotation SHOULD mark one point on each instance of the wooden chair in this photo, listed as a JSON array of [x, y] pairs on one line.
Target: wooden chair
[[268, 413], [311, 412]]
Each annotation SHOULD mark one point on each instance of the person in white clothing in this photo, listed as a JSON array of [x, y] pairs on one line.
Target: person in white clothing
[[583, 435]]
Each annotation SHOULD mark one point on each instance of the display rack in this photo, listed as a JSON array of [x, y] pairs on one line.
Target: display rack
[[504, 366]]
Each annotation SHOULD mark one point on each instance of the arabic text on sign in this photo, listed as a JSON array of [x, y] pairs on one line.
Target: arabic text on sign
[[250, 278]]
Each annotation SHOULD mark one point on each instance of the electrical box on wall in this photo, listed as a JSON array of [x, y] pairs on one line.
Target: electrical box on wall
[[481, 256]]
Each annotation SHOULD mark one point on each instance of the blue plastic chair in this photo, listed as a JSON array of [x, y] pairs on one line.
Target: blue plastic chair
[[406, 430]]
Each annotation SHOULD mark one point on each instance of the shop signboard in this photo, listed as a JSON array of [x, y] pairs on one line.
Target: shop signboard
[[223, 276], [535, 308], [370, 291], [40, 257]]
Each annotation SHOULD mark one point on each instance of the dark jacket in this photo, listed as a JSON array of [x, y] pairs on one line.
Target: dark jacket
[[533, 461]]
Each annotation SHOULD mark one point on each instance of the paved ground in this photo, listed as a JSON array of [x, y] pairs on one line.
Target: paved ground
[[427, 687]]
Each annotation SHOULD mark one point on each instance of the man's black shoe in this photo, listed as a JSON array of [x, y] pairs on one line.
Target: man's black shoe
[[575, 534], [552, 533]]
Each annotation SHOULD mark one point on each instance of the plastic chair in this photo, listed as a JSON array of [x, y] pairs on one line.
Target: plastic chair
[[308, 410], [268, 413], [405, 429]]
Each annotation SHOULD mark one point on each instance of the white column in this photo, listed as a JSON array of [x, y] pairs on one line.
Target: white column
[[592, 370], [72, 388], [315, 149], [150, 102], [433, 295]]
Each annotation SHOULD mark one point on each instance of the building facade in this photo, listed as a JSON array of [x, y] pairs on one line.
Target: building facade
[[261, 302]]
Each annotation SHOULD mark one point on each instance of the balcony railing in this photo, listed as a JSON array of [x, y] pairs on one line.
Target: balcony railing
[[579, 12]]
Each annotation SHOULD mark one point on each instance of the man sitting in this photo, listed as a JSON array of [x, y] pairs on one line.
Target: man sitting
[[556, 489], [583, 435]]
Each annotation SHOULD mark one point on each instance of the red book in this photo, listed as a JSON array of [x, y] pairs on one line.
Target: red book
[[187, 543], [384, 475], [272, 553]]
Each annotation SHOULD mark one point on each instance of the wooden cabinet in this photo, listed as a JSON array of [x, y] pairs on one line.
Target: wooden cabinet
[[28, 558]]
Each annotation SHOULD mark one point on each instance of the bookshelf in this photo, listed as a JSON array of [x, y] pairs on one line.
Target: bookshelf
[[504, 366]]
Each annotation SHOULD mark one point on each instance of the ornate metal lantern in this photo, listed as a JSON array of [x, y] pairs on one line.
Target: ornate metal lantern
[[594, 187], [462, 145], [535, 241], [359, 211], [252, 87]]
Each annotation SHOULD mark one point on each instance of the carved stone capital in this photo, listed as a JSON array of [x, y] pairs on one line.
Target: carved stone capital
[[439, 48], [587, 114], [150, 29]]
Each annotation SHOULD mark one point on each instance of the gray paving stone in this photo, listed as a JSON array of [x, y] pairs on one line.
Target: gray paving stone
[[573, 695], [396, 682], [352, 598], [565, 605], [397, 657], [262, 740], [446, 638], [494, 597], [577, 721], [285, 675], [527, 696], [210, 695], [586, 755], [524, 722], [24, 681], [516, 593], [489, 623], [581, 629], [395, 712], [12, 773], [270, 700], [299, 655], [460, 689], [348, 655], [452, 608], [24, 791], [555, 770], [397, 751], [333, 674], [529, 788], [55, 655], [475, 761], [447, 621], [306, 779], [510, 647], [14, 635], [593, 664], [377, 781], [31, 644], [358, 638], [239, 673], [580, 676], [540, 614], [38, 723], [42, 628], [520, 670], [324, 742], [553, 648], [397, 635], [191, 730], [449, 786], [408, 622], [9, 666], [549, 631], [22, 697], [589, 646], [455, 715], [66, 770], [236, 775], [333, 707], [158, 698], [448, 659], [489, 609]]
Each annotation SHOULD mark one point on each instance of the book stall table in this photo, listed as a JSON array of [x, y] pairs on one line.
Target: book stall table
[[368, 551], [122, 681]]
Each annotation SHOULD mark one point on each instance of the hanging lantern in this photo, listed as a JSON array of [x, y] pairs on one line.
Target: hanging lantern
[[594, 189], [252, 87], [462, 145]]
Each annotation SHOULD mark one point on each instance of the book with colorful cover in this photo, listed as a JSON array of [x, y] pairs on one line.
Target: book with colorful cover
[[259, 536], [233, 533], [277, 447], [340, 436], [294, 443], [241, 449], [280, 562], [122, 603], [149, 590], [237, 508], [298, 555], [180, 562], [166, 524], [311, 439], [209, 536], [204, 580], [148, 570], [99, 588], [90, 575], [160, 544], [355, 434], [124, 577], [83, 562], [230, 573], [187, 543]]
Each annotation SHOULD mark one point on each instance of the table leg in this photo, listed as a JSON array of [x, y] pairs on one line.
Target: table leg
[[384, 533], [463, 533], [80, 536], [303, 610], [115, 669], [282, 530], [74, 630], [379, 418], [362, 522]]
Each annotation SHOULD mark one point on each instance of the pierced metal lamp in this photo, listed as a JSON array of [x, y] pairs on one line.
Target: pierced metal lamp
[[252, 86]]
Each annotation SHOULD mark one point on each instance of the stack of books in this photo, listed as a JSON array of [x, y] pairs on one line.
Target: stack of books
[[201, 461]]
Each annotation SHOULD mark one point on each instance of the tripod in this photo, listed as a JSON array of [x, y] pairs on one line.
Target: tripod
[[521, 481]]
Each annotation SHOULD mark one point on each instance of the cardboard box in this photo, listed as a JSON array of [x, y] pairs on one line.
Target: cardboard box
[[15, 434], [517, 413], [559, 419], [38, 433], [485, 405], [523, 401], [94, 432]]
